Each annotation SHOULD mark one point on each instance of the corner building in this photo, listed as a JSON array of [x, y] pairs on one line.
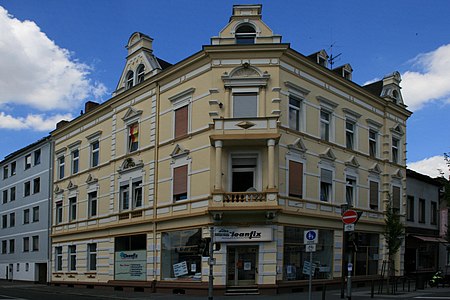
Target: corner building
[[248, 136]]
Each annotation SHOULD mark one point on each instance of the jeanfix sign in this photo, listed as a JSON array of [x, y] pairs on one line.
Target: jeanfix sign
[[242, 234]]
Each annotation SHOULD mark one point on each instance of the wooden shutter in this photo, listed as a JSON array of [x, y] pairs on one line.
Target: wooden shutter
[[180, 180], [373, 195], [181, 121], [295, 179]]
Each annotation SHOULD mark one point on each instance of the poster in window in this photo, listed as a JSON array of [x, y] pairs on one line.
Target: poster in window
[[130, 265]]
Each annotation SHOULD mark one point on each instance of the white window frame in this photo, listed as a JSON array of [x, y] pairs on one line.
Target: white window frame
[[296, 158], [72, 208], [250, 90], [257, 178], [72, 256], [377, 180], [375, 141], [128, 186], [61, 166], [90, 255], [398, 149], [185, 98], [331, 191], [94, 152], [351, 181], [58, 212], [353, 133], [90, 203], [58, 258], [178, 162]]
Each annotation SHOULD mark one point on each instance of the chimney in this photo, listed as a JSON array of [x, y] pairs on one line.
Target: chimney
[[61, 124], [90, 105]]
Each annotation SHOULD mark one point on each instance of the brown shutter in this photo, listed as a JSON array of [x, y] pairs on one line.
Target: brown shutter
[[373, 194], [180, 180], [295, 179], [181, 121], [396, 197]]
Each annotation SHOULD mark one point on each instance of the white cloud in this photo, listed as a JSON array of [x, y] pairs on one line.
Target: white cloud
[[431, 166], [35, 122], [431, 82], [37, 73]]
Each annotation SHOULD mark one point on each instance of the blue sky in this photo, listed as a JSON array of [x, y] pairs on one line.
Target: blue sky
[[57, 54]]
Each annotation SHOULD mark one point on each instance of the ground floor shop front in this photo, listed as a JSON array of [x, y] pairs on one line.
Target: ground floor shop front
[[261, 256]]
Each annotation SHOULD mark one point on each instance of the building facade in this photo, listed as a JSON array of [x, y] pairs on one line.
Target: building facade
[[25, 208], [246, 136]]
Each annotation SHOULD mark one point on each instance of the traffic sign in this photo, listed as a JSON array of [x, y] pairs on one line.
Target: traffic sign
[[349, 227], [310, 248], [349, 216], [311, 236]]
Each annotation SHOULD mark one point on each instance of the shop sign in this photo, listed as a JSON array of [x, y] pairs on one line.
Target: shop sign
[[130, 265], [242, 234], [180, 269]]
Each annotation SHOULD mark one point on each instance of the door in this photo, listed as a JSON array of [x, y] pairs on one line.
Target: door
[[242, 265]]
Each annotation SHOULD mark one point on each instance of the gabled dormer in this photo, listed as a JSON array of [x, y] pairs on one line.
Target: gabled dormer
[[246, 27], [140, 62], [320, 58], [344, 71], [391, 88]]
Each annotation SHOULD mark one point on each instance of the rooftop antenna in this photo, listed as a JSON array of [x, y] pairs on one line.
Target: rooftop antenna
[[332, 58]]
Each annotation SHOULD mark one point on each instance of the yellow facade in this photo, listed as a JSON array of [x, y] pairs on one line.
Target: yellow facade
[[240, 125]]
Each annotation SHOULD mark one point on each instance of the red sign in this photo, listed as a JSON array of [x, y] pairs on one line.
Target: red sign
[[350, 216]]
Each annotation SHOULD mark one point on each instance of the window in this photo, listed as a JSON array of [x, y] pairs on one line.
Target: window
[[13, 168], [130, 80], [4, 247], [35, 243], [325, 118], [75, 161], [37, 157], [72, 208], [27, 267], [28, 161], [61, 163], [133, 137], [395, 150], [244, 172], [137, 194], [421, 210], [95, 153], [92, 257], [92, 203], [26, 244], [326, 184], [294, 113], [27, 188], [245, 34], [36, 185], [36, 214], [181, 121], [396, 198], [373, 186], [124, 197], [245, 105], [433, 215], [410, 208], [12, 194], [180, 178], [12, 246], [26, 216], [59, 212], [12, 219], [4, 221], [295, 179], [5, 172], [350, 134], [5, 196], [72, 257], [140, 73], [373, 143], [350, 190], [58, 258]]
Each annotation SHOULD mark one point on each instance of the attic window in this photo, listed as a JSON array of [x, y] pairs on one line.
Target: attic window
[[130, 78], [140, 73], [346, 74], [245, 34], [395, 95]]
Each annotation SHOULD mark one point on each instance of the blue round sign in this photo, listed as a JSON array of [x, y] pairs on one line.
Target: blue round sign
[[311, 235]]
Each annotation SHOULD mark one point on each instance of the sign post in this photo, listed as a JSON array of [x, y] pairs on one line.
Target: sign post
[[310, 241], [349, 218]]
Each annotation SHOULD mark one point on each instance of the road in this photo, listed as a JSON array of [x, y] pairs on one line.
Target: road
[[29, 291]]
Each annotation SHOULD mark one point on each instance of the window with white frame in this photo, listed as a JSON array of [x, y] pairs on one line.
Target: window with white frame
[[36, 185], [92, 204], [350, 190], [26, 216], [373, 194], [35, 242], [133, 137], [12, 219], [294, 112], [350, 127], [26, 244], [61, 164], [12, 194], [92, 257], [37, 157], [245, 34], [95, 153], [72, 257], [295, 179], [27, 188], [13, 168], [72, 208], [181, 104], [180, 183], [36, 214], [28, 161], [130, 194], [245, 103], [129, 80], [244, 172], [58, 258], [395, 150], [75, 161], [181, 121], [59, 212], [325, 122], [5, 172], [396, 198], [140, 72], [373, 143], [326, 185]]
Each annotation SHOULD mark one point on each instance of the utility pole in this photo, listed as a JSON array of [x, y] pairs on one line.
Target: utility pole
[[211, 264]]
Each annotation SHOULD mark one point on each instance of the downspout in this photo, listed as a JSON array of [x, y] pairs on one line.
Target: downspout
[[156, 157], [50, 211]]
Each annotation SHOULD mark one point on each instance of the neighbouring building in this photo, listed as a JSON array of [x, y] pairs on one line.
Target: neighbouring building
[[422, 225], [247, 136], [25, 188]]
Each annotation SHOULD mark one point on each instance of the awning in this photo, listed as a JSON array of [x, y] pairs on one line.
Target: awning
[[430, 239]]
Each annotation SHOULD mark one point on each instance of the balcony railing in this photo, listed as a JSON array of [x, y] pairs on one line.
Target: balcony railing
[[242, 197]]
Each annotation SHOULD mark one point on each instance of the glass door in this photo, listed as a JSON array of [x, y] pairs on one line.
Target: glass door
[[242, 265]]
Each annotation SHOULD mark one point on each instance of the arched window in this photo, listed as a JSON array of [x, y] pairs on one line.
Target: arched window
[[130, 80], [245, 34], [140, 73]]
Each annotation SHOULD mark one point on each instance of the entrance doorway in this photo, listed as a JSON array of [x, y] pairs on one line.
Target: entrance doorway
[[242, 265]]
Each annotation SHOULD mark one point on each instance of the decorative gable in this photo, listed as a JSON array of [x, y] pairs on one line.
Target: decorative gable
[[131, 115], [91, 179], [71, 186], [298, 146], [328, 155], [375, 169], [130, 164], [179, 151], [397, 129], [397, 174], [352, 162]]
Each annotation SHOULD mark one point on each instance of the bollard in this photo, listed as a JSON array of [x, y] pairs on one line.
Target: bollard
[[324, 291], [372, 289]]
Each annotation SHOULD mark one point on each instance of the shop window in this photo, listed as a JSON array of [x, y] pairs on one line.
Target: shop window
[[180, 183], [367, 257], [180, 257], [127, 247], [373, 195], [296, 260], [295, 179]]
